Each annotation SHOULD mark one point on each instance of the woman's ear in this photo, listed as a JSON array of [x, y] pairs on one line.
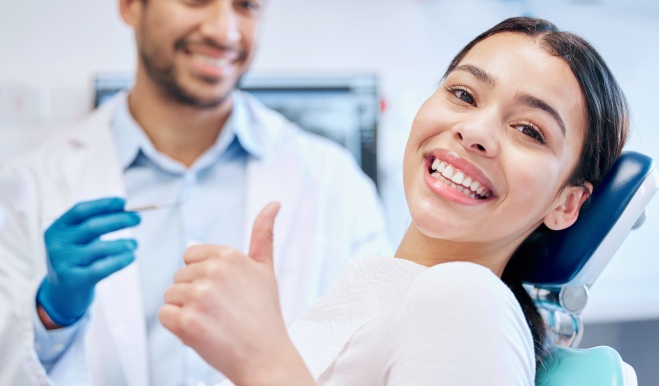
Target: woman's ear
[[567, 206], [131, 11]]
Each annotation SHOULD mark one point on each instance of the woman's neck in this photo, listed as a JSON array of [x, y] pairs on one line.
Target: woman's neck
[[422, 249]]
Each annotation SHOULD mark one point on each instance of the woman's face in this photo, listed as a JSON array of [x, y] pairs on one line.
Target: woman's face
[[491, 150]]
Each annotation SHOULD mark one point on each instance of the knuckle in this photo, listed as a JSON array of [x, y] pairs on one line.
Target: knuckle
[[220, 268], [219, 250], [214, 267], [79, 207], [168, 296], [86, 227], [188, 323], [59, 256], [202, 290], [178, 276]]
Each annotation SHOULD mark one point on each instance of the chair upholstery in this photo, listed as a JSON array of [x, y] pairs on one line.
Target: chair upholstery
[[597, 366], [582, 250]]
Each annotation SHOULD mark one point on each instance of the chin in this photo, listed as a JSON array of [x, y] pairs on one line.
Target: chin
[[201, 101], [430, 221]]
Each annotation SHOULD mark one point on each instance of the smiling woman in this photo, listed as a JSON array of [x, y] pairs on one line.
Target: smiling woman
[[526, 122]]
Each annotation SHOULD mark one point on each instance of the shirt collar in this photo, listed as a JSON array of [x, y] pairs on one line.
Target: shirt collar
[[132, 141], [244, 127], [127, 133]]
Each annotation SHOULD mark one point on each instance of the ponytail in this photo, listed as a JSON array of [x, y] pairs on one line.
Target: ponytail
[[533, 319], [512, 277]]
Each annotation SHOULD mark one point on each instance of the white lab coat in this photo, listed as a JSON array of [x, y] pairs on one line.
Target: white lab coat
[[330, 211]]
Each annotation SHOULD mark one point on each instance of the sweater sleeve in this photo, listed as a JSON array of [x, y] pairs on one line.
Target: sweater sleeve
[[459, 324]]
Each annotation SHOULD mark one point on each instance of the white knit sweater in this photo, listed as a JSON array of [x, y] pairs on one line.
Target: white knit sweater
[[389, 321]]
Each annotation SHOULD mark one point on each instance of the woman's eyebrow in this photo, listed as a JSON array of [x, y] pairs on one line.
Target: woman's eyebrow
[[526, 99], [478, 73], [537, 103]]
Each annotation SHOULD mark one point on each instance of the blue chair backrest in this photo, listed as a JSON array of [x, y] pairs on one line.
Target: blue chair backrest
[[615, 207]]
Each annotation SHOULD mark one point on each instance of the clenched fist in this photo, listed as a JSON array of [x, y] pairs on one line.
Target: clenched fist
[[225, 305]]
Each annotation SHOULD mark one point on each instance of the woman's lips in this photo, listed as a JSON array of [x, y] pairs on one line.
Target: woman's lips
[[452, 171], [459, 179]]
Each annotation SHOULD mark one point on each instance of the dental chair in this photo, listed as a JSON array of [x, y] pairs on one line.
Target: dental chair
[[567, 263]]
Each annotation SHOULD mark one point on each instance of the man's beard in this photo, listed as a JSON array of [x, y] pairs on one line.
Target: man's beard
[[163, 74]]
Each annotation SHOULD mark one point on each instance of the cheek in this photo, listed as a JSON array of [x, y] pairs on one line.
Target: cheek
[[536, 184], [408, 171], [251, 31]]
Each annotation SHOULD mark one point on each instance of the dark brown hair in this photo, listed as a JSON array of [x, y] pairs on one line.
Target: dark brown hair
[[604, 137]]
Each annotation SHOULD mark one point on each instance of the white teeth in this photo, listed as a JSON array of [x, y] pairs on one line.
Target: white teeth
[[448, 172], [438, 166], [210, 61], [435, 164], [458, 177]]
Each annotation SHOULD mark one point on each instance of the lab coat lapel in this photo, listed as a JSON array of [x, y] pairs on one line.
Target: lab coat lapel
[[265, 183], [93, 171], [91, 167]]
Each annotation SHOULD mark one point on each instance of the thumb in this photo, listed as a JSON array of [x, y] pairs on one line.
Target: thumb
[[260, 246]]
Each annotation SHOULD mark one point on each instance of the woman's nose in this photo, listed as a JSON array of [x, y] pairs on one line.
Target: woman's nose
[[478, 134]]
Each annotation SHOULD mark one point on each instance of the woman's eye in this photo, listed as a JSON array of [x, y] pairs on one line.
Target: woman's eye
[[463, 95], [251, 5], [532, 132]]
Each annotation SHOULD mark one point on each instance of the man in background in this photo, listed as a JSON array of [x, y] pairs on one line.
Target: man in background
[[191, 160]]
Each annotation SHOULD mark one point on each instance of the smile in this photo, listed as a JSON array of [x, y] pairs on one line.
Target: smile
[[211, 61], [459, 180]]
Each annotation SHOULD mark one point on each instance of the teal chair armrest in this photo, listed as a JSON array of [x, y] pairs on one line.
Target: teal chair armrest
[[595, 366]]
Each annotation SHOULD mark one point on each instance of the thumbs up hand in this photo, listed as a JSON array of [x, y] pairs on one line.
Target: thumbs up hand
[[260, 246], [225, 305]]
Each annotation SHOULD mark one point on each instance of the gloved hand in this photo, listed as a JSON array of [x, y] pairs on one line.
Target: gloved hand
[[77, 258]]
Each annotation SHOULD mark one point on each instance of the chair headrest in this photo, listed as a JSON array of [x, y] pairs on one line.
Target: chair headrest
[[577, 255]]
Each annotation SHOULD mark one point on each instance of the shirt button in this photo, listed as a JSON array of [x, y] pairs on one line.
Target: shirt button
[[58, 347]]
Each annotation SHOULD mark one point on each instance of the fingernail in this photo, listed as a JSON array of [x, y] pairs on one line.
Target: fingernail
[[132, 244]]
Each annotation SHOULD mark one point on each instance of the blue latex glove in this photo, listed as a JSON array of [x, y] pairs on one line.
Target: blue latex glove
[[78, 259]]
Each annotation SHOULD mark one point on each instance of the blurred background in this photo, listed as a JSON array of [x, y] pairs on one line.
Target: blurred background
[[377, 61]]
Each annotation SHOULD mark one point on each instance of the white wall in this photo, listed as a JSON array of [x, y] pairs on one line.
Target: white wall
[[52, 49]]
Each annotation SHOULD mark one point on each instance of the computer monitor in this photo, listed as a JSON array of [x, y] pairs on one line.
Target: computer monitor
[[344, 109], [106, 85]]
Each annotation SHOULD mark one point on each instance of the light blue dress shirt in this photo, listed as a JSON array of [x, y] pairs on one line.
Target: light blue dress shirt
[[210, 196]]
